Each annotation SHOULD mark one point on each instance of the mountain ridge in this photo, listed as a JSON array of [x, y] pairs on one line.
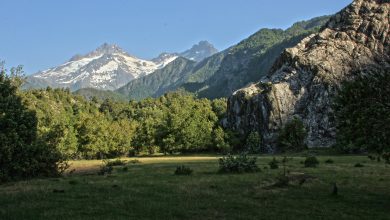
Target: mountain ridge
[[108, 67], [224, 72], [304, 79]]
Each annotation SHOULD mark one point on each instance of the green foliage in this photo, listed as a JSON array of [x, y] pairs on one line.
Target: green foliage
[[274, 164], [175, 122], [253, 143], [362, 110], [282, 181], [105, 169], [386, 157], [23, 154], [311, 161], [116, 162], [235, 140], [358, 165], [183, 170], [219, 106], [329, 161], [221, 140], [100, 95], [292, 137], [238, 164]]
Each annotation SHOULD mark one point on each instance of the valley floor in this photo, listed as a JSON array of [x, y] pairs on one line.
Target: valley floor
[[150, 190]]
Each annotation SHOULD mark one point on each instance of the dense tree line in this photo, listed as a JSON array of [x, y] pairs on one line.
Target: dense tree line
[[174, 123]]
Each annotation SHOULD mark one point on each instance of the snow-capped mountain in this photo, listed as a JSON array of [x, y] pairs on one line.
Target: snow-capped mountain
[[106, 68], [109, 68], [200, 51]]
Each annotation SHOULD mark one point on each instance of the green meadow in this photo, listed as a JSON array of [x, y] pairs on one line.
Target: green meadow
[[146, 188]]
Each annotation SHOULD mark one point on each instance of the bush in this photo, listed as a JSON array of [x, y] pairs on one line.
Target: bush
[[135, 161], [329, 161], [238, 164], [108, 166], [359, 165], [274, 164], [183, 170], [292, 137], [282, 181], [311, 162], [105, 169], [116, 162], [386, 157]]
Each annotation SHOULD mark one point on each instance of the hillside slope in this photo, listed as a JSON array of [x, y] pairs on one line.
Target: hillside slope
[[305, 78], [161, 81]]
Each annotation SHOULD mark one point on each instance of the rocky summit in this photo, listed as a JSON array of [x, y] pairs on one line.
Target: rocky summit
[[304, 80]]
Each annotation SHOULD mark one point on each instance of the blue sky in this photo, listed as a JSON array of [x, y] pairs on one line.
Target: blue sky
[[44, 33]]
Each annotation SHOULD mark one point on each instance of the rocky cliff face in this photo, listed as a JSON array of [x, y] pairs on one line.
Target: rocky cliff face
[[305, 78]]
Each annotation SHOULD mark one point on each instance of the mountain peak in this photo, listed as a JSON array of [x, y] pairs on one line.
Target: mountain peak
[[108, 67], [200, 51], [204, 43], [107, 48], [164, 56]]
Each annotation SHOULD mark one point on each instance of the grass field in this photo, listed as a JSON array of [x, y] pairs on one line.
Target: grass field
[[150, 190]]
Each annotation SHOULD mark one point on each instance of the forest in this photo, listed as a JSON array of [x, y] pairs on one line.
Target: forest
[[43, 128]]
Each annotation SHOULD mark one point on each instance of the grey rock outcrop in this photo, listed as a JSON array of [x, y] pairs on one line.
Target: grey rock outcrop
[[305, 78]]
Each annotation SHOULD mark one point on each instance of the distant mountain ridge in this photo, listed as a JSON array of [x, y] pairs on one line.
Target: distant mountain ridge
[[169, 78], [199, 51], [108, 67], [222, 73]]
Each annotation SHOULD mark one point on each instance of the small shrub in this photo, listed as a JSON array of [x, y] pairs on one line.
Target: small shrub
[[292, 137], [183, 170], [359, 165], [282, 181], [105, 169], [135, 161], [274, 164], [311, 162], [125, 169], [116, 162], [386, 157], [372, 158], [73, 182], [329, 161], [238, 164], [253, 143]]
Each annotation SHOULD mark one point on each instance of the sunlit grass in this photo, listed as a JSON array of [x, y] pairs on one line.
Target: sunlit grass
[[150, 190]]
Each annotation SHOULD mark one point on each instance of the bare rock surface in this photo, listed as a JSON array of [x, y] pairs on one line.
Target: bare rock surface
[[305, 78]]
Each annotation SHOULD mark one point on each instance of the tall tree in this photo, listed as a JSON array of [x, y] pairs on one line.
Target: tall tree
[[22, 155], [362, 111]]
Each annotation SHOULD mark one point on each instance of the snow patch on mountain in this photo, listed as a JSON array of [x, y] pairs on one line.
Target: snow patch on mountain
[[108, 67]]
